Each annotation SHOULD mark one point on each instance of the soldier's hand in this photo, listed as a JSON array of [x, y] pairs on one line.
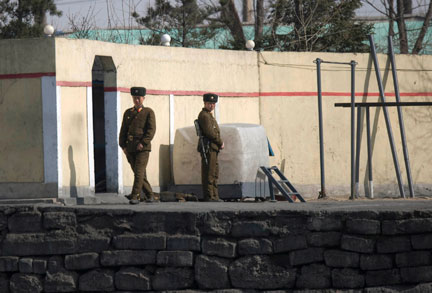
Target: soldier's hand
[[140, 147], [223, 145]]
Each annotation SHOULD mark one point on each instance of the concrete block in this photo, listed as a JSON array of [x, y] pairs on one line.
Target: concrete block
[[25, 265], [59, 220], [324, 239], [175, 258], [370, 262], [347, 279], [416, 274], [341, 259], [363, 226], [314, 276], [250, 229], [127, 257], [383, 278], [26, 283], [413, 259], [8, 263], [173, 278], [289, 243], [212, 272], [393, 244], [97, 280], [140, 241], [132, 279], [422, 241], [219, 247], [22, 222], [82, 261], [184, 242], [267, 274], [324, 224], [306, 256], [357, 243], [61, 282], [409, 226], [255, 246]]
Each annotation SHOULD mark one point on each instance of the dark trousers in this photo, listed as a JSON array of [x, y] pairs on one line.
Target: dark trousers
[[138, 162], [210, 175]]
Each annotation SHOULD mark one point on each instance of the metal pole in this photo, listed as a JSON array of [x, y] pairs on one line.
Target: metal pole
[[386, 116], [322, 194], [357, 162], [399, 110], [369, 152], [353, 64]]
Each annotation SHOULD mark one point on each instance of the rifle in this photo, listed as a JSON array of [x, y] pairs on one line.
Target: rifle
[[201, 140]]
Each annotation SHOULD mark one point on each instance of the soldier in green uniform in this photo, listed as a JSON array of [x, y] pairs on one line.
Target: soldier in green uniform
[[137, 130], [210, 131]]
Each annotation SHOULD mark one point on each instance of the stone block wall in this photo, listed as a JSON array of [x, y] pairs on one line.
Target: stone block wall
[[67, 249]]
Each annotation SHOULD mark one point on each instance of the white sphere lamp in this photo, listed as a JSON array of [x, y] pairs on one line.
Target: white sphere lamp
[[250, 45], [165, 40], [48, 30]]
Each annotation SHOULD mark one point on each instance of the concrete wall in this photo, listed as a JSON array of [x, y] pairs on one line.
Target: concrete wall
[[277, 90], [201, 248]]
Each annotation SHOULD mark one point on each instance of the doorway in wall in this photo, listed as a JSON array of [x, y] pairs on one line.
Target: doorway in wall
[[103, 76]]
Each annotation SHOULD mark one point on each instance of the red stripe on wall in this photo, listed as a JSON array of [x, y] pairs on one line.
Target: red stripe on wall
[[26, 75], [74, 83]]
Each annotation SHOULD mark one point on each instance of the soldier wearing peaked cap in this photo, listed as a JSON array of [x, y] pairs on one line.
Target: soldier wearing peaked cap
[[137, 130], [210, 131]]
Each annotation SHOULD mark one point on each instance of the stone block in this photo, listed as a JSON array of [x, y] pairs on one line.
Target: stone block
[[250, 229], [61, 282], [22, 222], [413, 259], [314, 276], [357, 243], [393, 244], [127, 257], [347, 279], [306, 256], [97, 280], [363, 226], [184, 242], [173, 278], [260, 272], [25, 265], [25, 283], [383, 278], [422, 241], [324, 239], [140, 241], [408, 226], [215, 224], [82, 261], [59, 220], [416, 274], [40, 266], [289, 243], [38, 244], [133, 279], [324, 224], [211, 272], [3, 221], [56, 264], [175, 258], [341, 259], [255, 246], [4, 283], [8, 263], [92, 243], [219, 247], [371, 262]]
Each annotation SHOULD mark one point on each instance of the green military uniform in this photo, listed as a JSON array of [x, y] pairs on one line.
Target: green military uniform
[[138, 126], [210, 170]]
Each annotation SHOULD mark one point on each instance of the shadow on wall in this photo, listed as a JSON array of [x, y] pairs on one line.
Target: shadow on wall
[[72, 183], [165, 178]]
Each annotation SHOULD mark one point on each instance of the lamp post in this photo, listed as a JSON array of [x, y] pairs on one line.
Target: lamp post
[[165, 40]]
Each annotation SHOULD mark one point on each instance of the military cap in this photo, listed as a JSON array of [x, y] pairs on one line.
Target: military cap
[[138, 91], [209, 97]]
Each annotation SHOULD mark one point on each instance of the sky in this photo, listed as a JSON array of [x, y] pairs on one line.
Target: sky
[[116, 13]]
